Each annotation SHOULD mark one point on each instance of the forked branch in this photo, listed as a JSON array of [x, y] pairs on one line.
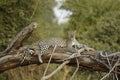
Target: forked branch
[[96, 60]]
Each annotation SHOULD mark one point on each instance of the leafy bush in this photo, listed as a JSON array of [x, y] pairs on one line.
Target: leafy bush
[[97, 22], [14, 15]]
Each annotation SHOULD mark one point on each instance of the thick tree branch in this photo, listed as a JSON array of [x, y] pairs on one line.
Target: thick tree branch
[[96, 60], [12, 61]]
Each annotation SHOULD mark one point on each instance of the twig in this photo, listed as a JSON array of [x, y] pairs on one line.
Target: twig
[[110, 55], [49, 61], [111, 69], [35, 9], [76, 69], [105, 64], [108, 61], [100, 62], [116, 76], [113, 58], [55, 71]]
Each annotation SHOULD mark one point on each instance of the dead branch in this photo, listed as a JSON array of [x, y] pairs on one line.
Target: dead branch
[[49, 62], [72, 78], [55, 71], [95, 60], [85, 60], [19, 39]]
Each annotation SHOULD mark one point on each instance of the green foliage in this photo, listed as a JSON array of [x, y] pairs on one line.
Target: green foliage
[[97, 22], [107, 31], [14, 15]]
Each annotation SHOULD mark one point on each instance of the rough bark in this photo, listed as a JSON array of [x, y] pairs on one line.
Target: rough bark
[[10, 58], [13, 60]]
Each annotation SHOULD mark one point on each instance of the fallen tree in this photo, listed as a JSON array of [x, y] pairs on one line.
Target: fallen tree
[[104, 61]]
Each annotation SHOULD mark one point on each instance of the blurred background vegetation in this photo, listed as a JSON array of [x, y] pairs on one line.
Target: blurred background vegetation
[[97, 23]]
